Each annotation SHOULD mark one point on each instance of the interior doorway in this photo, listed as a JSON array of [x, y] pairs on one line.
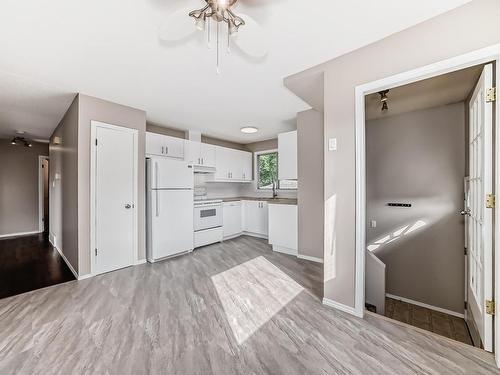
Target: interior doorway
[[422, 140], [43, 194]]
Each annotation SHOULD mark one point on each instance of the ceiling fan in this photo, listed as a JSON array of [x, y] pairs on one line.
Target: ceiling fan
[[217, 18]]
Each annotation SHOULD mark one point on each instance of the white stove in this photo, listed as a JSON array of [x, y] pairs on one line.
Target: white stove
[[207, 221]]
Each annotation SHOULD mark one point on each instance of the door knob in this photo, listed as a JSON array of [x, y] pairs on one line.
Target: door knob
[[465, 212], [128, 206]]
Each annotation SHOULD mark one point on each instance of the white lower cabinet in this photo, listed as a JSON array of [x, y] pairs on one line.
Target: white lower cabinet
[[255, 218], [283, 228], [232, 219]]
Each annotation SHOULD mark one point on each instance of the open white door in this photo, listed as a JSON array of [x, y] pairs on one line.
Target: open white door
[[479, 224], [115, 182]]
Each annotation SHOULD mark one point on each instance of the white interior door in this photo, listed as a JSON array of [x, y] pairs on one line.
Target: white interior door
[[115, 182], [480, 218]]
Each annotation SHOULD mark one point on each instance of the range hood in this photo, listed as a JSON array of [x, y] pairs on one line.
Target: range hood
[[203, 169]]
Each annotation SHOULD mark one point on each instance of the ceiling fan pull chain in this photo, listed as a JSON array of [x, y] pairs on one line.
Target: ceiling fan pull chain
[[218, 71], [228, 40], [209, 31]]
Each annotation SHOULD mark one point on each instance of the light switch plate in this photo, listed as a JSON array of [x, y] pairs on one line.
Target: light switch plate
[[332, 144], [373, 224]]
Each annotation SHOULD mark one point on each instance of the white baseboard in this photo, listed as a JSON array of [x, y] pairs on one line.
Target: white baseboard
[[284, 250], [19, 234], [254, 235], [430, 307], [140, 261], [232, 237], [341, 307], [312, 259], [87, 276], [67, 262]]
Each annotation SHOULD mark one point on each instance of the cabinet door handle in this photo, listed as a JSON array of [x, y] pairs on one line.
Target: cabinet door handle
[[203, 161], [162, 149], [166, 150]]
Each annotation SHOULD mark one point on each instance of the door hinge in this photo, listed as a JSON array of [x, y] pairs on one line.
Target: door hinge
[[490, 307], [96, 141], [465, 251], [96, 251], [491, 94], [465, 305], [490, 200]]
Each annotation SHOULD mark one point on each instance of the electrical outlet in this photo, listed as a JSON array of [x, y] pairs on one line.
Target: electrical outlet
[[373, 224], [332, 144]]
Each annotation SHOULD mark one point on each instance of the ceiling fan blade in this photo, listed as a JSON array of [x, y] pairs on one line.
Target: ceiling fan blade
[[177, 26], [251, 38]]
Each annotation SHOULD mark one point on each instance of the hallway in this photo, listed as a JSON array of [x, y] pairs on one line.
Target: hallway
[[28, 263]]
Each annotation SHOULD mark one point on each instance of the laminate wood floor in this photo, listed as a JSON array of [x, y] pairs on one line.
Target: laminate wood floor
[[28, 263], [440, 323], [230, 308]]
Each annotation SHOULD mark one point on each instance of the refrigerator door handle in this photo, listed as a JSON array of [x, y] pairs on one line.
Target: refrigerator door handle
[[157, 203], [156, 175]]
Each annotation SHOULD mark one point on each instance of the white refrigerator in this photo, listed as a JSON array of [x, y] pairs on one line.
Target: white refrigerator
[[169, 208]]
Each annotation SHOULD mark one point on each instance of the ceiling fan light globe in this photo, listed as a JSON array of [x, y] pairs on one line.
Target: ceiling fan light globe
[[200, 24]]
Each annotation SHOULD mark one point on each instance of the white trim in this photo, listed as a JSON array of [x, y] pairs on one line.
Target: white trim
[[481, 56], [285, 250], [19, 234], [341, 307], [430, 307], [41, 225], [477, 57], [67, 262], [311, 259], [255, 235], [135, 132], [140, 261], [256, 172]]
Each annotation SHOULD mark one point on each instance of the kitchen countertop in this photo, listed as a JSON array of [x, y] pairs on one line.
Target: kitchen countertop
[[291, 201]]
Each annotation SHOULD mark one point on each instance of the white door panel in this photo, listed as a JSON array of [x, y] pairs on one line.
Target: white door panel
[[172, 222], [115, 184], [480, 219]]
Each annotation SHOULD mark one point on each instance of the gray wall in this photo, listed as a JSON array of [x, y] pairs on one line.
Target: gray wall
[[19, 187], [100, 110], [63, 223], [419, 158], [182, 134], [465, 29], [310, 178]]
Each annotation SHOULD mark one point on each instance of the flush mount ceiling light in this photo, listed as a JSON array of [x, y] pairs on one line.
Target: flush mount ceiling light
[[384, 99], [217, 11], [249, 130]]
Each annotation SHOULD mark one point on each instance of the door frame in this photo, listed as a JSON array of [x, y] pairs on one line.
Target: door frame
[[93, 198], [41, 225], [482, 56]]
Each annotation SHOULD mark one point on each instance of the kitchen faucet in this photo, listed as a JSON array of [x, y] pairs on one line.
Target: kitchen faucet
[[275, 192]]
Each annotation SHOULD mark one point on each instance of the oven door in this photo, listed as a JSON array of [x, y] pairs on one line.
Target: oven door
[[207, 216]]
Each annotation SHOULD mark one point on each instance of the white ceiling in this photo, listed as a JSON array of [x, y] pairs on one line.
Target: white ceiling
[[111, 49], [442, 90]]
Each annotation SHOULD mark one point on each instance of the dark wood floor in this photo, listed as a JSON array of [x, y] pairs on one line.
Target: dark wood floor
[[443, 324], [28, 263]]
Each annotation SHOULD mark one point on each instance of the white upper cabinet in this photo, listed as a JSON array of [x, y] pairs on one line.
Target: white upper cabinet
[[162, 145], [233, 165], [287, 156], [207, 155], [201, 154]]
